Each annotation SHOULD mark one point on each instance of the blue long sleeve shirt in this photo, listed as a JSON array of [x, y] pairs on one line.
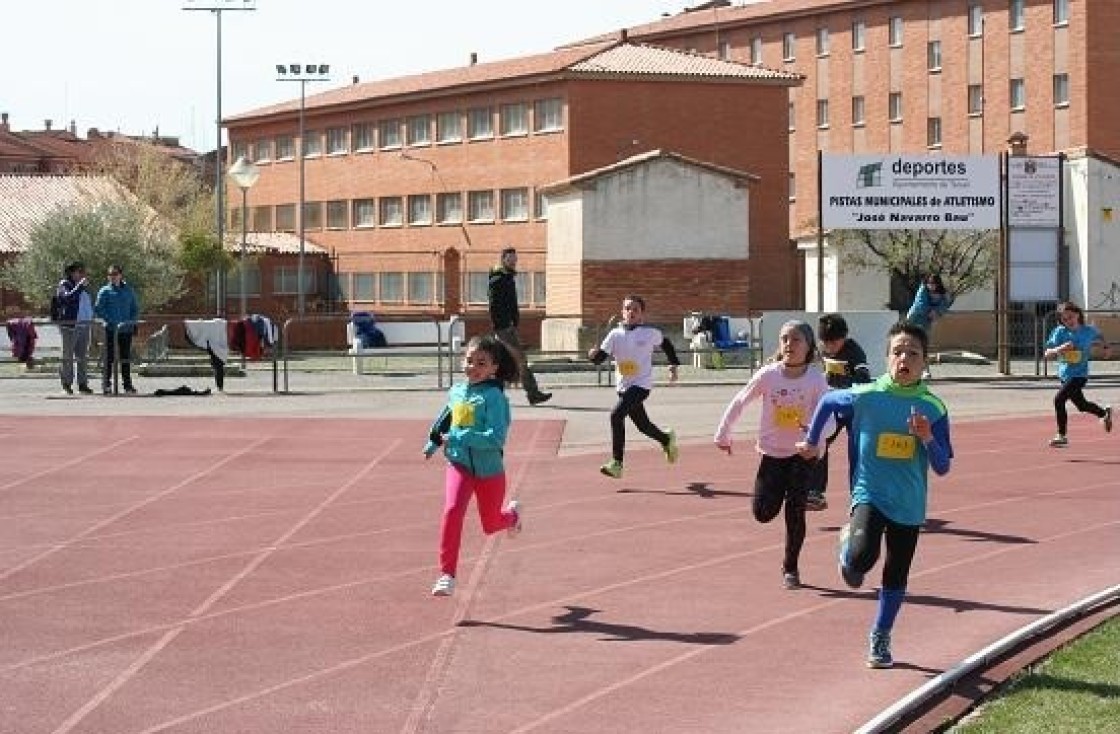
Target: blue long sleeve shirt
[[888, 465]]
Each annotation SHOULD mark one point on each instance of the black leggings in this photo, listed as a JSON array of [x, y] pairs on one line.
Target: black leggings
[[630, 405], [1072, 391], [783, 482], [868, 527]]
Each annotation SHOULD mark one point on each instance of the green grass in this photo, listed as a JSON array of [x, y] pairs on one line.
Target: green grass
[[1075, 690]]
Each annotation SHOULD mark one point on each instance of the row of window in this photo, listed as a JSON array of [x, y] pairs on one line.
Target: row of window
[[1017, 95], [415, 210], [417, 288], [1016, 20], [513, 120]]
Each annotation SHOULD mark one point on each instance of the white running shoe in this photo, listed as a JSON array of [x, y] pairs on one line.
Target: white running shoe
[[444, 585]]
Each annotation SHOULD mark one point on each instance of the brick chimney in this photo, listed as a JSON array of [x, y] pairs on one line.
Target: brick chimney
[[47, 124], [4, 127]]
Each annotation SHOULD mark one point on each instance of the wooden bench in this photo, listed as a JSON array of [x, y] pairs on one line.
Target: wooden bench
[[406, 338]]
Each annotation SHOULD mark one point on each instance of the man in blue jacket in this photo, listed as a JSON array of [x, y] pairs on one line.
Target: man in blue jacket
[[117, 306]]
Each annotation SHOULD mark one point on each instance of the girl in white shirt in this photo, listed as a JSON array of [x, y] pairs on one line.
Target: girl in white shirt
[[631, 345], [789, 388]]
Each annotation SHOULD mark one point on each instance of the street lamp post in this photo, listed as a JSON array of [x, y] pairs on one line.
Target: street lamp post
[[216, 7], [302, 73], [244, 174]]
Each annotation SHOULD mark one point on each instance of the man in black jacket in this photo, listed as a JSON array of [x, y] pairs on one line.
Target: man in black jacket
[[505, 314]]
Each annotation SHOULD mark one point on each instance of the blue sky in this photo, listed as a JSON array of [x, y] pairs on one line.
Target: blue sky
[[137, 65]]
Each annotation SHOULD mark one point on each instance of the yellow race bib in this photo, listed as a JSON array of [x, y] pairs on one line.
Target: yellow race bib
[[895, 446], [627, 368], [835, 366], [789, 417], [1072, 356], [462, 414]]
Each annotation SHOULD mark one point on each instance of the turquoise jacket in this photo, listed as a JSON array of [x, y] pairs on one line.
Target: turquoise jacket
[[116, 305], [1074, 362], [925, 303], [472, 427]]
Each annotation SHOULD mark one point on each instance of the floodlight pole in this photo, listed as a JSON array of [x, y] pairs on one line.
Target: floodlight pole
[[303, 74], [216, 7]]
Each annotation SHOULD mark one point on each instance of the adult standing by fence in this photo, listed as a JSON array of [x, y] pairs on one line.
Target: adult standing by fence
[[77, 313], [117, 306], [505, 314]]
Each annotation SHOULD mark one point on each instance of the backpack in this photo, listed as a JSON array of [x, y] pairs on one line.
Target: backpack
[[58, 308]]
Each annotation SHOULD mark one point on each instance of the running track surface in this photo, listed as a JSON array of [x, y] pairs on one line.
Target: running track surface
[[272, 575]]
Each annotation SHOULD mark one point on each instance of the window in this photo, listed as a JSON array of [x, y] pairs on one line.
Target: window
[[822, 113], [859, 35], [285, 278], [1061, 12], [859, 110], [312, 144], [792, 193], [390, 212], [894, 31], [420, 130], [756, 50], [480, 123], [312, 215], [449, 128], [449, 208], [792, 118], [364, 287], [975, 99], [723, 51], [540, 205], [513, 119], [262, 151], [894, 107], [336, 214], [285, 217], [480, 206], [240, 149], [822, 42], [364, 214], [975, 20], [363, 137], [262, 218], [389, 134], [1061, 90], [933, 56], [252, 279], [933, 132], [789, 46], [515, 205], [422, 287], [391, 286], [1015, 15], [285, 148], [419, 209], [336, 141], [548, 115], [1018, 94], [539, 288], [477, 285]]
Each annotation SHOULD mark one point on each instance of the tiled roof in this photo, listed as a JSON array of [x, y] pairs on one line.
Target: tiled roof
[[608, 58], [647, 156], [28, 200], [259, 243]]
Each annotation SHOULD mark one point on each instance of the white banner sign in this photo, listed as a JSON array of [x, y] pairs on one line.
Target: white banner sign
[[909, 192], [1033, 191]]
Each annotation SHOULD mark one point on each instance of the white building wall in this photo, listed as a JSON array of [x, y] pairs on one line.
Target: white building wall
[[1093, 204]]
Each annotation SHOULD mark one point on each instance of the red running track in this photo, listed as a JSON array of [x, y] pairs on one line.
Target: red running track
[[272, 575]]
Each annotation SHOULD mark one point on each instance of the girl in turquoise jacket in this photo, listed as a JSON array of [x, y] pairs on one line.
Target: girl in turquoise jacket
[[472, 429], [1071, 343]]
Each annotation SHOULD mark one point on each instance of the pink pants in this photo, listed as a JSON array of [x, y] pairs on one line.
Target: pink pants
[[459, 485]]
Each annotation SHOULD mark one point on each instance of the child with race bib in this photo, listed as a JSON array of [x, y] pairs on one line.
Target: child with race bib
[[789, 388], [1071, 343], [631, 345], [897, 431]]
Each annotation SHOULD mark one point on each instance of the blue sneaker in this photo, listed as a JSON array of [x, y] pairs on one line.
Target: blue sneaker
[[854, 579], [879, 649]]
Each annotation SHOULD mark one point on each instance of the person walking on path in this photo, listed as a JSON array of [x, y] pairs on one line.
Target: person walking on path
[[845, 364], [505, 314], [897, 431], [117, 306], [631, 345], [472, 428], [77, 313], [789, 388], [1071, 343]]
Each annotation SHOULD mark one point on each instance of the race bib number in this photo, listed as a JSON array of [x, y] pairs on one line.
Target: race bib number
[[462, 414], [789, 417], [1072, 356], [835, 366], [895, 446], [627, 368]]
